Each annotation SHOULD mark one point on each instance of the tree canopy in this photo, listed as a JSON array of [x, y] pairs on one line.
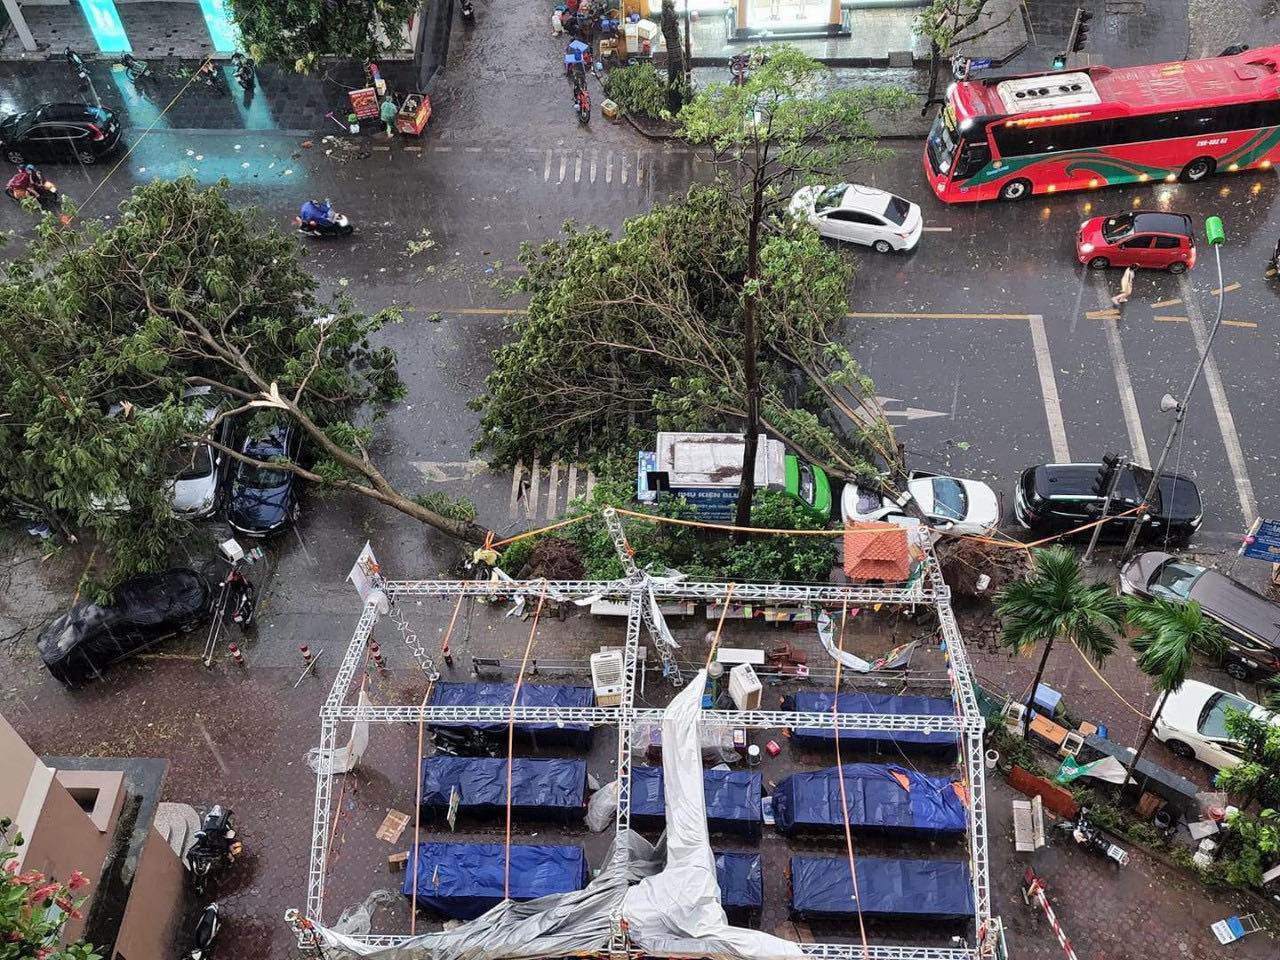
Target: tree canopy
[[102, 328], [627, 335], [297, 33]]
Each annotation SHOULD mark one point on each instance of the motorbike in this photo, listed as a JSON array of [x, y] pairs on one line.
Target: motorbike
[[77, 65], [468, 11], [463, 742], [210, 74], [204, 934], [582, 103], [243, 67], [338, 225], [135, 69], [1088, 835], [43, 189], [215, 847], [242, 599], [1273, 265]]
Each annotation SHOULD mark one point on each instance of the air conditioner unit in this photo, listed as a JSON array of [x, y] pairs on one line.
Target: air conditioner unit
[[744, 687], [606, 677]]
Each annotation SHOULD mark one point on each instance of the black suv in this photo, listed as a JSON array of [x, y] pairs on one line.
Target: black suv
[[1059, 497], [70, 132]]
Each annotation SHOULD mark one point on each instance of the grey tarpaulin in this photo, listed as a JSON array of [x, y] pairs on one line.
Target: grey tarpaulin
[[671, 910]]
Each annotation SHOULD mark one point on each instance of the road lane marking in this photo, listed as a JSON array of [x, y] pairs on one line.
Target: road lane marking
[[1106, 313], [564, 160], [531, 498], [1124, 386], [906, 315], [1221, 409], [608, 167], [577, 167], [473, 149], [595, 158], [1160, 319], [936, 229], [1227, 289], [546, 170], [1248, 324], [553, 490], [515, 488], [626, 166], [443, 149], [1166, 303], [1049, 390]]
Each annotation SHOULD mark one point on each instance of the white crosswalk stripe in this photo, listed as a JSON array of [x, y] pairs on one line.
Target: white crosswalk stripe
[[553, 487]]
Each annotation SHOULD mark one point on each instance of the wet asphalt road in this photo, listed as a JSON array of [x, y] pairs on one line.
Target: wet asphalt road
[[989, 331]]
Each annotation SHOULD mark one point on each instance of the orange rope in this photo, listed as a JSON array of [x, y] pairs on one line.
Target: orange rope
[[533, 533], [511, 740], [844, 799], [448, 631], [725, 526], [417, 811], [715, 641]]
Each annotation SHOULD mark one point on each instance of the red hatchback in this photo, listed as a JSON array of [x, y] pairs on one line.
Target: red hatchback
[[1158, 241]]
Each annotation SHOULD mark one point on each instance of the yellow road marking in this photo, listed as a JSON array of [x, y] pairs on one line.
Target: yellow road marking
[[1249, 324], [1170, 319], [904, 315], [1107, 314], [1167, 303], [1227, 289]]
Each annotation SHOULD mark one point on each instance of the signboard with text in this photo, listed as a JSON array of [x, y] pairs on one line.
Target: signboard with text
[[1263, 541]]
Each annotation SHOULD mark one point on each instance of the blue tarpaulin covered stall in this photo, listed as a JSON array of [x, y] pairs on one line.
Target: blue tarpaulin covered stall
[[531, 695], [823, 887], [879, 796], [463, 880], [733, 800], [554, 789], [741, 880], [875, 703]]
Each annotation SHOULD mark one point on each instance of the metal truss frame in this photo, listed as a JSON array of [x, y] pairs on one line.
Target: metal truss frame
[[930, 590]]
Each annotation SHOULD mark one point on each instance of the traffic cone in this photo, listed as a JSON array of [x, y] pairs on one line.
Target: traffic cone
[[375, 652], [236, 655], [448, 657], [306, 654]]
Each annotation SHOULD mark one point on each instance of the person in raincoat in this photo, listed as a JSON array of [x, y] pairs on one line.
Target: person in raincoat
[[387, 112]]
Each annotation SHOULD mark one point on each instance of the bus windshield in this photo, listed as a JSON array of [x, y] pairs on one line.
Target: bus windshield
[[942, 142]]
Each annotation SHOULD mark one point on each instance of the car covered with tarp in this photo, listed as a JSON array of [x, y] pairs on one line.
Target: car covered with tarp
[[143, 611], [531, 695], [880, 704], [732, 798], [875, 797], [822, 888], [741, 880], [540, 789], [463, 880]]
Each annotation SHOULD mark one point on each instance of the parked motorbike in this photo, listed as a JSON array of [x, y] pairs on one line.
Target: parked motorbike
[[1088, 835], [1273, 265], [582, 103], [242, 599], [204, 934], [135, 69], [210, 74], [243, 67], [337, 226], [77, 65], [215, 847], [463, 742]]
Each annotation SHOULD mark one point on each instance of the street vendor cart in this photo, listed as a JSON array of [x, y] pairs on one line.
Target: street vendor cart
[[414, 113]]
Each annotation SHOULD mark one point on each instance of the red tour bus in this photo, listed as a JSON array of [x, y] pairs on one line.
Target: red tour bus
[[1009, 137]]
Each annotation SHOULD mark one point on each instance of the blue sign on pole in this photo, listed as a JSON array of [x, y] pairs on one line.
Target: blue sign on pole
[[980, 63], [1263, 541]]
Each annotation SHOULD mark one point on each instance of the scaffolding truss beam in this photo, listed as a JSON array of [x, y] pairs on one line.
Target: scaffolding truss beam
[[826, 951]]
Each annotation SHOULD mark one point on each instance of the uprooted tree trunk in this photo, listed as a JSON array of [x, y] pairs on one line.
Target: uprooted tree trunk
[[675, 57]]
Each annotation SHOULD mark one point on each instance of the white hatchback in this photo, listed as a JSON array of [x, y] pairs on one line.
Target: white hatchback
[[1193, 723], [948, 503], [858, 214]]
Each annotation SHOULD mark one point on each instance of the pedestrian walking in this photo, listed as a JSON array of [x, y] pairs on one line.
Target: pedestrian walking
[[1126, 289], [388, 112]]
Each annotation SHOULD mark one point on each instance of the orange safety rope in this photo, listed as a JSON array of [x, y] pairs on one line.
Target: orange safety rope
[[715, 641], [417, 813], [448, 631], [533, 533], [511, 740], [844, 799], [729, 527]]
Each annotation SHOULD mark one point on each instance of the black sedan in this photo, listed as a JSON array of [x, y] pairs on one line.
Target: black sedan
[[68, 132], [265, 499], [1250, 622], [1060, 497], [144, 610]]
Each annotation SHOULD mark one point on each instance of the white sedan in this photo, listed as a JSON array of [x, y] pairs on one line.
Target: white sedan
[[1194, 723], [947, 503], [858, 214]]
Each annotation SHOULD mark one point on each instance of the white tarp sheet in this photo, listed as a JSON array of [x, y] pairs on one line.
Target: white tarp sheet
[[344, 759]]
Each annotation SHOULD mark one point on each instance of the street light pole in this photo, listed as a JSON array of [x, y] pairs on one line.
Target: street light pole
[[1214, 234]]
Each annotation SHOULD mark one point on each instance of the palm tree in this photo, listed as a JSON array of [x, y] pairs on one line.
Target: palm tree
[[1171, 632], [1056, 601]]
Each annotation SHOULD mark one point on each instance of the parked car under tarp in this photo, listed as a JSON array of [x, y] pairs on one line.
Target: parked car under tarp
[[822, 887], [144, 610], [732, 799], [463, 880], [531, 695], [873, 703], [741, 880]]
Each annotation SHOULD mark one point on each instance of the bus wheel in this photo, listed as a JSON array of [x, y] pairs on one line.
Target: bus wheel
[[1196, 170], [1016, 190], [1099, 263]]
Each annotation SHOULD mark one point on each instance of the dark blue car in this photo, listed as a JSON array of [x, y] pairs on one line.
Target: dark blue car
[[265, 499]]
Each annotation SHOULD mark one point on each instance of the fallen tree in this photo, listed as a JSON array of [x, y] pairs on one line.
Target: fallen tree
[[641, 332], [103, 328]]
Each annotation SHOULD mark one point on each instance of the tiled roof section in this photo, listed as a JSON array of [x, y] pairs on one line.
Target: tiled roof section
[[876, 551]]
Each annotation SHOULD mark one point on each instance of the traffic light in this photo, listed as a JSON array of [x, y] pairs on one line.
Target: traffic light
[[1059, 61], [1102, 481], [1079, 30]]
